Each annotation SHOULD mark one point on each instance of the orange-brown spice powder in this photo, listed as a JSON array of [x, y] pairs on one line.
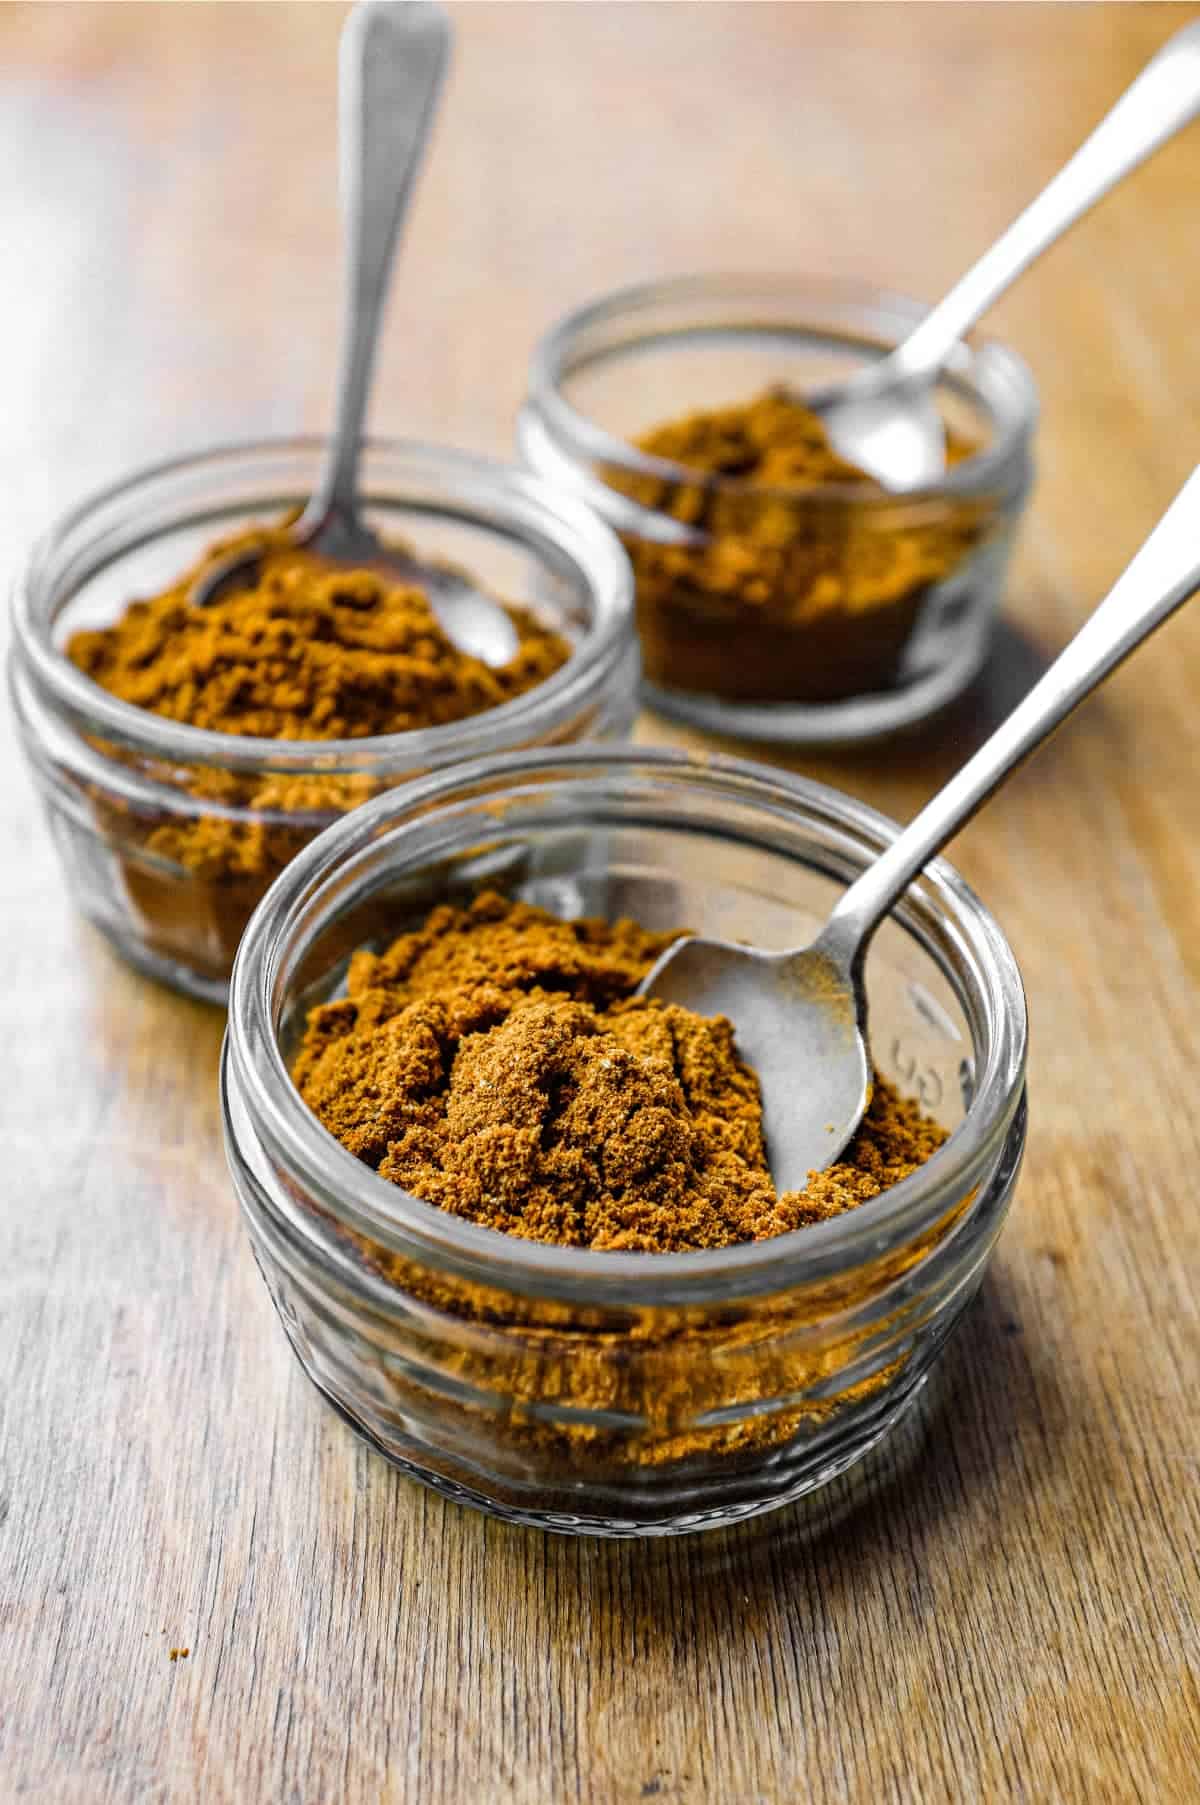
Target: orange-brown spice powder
[[790, 595], [304, 651], [494, 1062]]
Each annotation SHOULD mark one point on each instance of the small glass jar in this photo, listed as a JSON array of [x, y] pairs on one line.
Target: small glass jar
[[623, 1393], [125, 789], [797, 616]]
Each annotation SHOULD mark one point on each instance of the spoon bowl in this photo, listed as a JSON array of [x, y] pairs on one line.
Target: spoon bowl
[[894, 432], [798, 1025]]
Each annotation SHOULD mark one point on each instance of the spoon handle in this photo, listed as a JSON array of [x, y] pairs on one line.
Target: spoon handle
[[1162, 99], [1162, 576], [391, 62]]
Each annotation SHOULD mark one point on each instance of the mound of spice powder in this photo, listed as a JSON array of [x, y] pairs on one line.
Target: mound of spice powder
[[794, 593], [306, 651], [494, 1062]]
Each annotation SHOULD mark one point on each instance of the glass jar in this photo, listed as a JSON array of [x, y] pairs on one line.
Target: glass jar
[[799, 616], [125, 789], [623, 1393]]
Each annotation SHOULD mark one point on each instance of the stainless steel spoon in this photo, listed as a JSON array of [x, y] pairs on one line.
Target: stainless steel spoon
[[800, 1017], [392, 60], [884, 419]]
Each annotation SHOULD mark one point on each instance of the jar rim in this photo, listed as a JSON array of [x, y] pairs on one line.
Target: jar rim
[[359, 1198], [551, 360], [525, 507]]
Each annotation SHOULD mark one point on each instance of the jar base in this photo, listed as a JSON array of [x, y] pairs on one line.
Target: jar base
[[859, 718], [164, 969], [848, 1455]]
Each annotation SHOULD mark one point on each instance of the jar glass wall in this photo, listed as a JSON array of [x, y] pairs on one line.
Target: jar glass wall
[[794, 615], [170, 835], [623, 1393]]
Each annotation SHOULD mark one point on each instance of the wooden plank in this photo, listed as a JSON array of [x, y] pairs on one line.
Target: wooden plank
[[1011, 1614]]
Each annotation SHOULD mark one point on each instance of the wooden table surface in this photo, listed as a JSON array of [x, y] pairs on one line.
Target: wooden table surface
[[1012, 1613]]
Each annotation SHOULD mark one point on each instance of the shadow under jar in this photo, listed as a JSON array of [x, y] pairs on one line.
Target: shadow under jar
[[812, 615], [623, 1393], [124, 788]]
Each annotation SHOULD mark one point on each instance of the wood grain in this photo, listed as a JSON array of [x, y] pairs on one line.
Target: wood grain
[[1011, 1613]]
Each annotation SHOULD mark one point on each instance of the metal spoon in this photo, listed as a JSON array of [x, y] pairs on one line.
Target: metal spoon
[[392, 59], [800, 1017], [884, 419]]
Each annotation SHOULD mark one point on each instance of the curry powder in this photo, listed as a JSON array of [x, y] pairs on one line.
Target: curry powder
[[493, 1061], [807, 580], [302, 651]]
